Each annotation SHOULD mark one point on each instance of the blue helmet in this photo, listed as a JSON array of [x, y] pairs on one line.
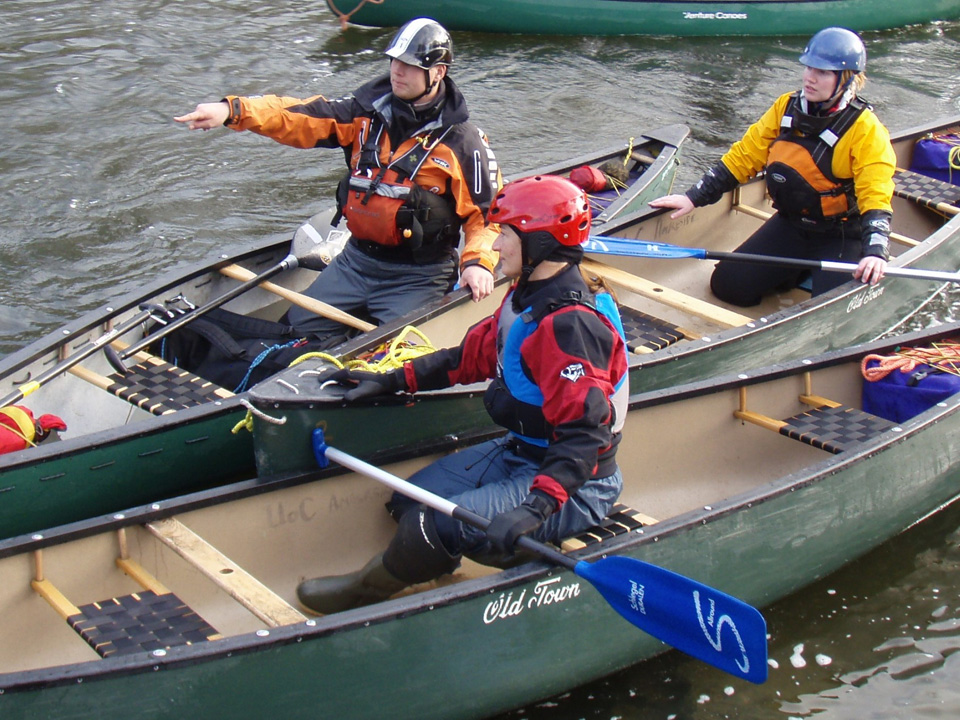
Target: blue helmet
[[835, 48]]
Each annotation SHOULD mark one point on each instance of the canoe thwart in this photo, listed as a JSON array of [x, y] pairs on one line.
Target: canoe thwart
[[765, 215], [139, 622], [667, 296], [927, 191], [622, 519], [156, 386], [256, 597]]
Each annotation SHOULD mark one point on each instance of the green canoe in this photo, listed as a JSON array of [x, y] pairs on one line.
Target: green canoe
[[677, 330], [713, 490], [648, 17], [162, 431]]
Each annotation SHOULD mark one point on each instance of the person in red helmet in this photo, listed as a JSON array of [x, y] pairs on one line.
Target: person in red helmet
[[555, 353], [829, 167]]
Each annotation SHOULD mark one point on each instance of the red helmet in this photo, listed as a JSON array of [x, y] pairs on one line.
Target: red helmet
[[547, 203]]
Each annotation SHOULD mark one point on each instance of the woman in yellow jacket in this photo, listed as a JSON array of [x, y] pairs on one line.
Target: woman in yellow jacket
[[829, 170]]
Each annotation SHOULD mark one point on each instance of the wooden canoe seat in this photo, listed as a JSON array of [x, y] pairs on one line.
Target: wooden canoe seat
[[622, 519], [927, 191], [645, 333], [151, 619], [828, 425], [230, 577], [139, 622], [156, 386]]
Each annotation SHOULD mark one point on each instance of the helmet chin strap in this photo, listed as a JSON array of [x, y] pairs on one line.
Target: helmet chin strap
[[430, 87]]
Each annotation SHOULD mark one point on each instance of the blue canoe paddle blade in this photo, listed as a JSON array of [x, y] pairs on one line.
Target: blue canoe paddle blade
[[640, 248], [694, 618]]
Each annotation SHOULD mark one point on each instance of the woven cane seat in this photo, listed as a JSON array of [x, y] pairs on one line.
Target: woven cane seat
[[160, 388], [646, 331], [834, 429], [925, 190], [140, 622], [622, 519]]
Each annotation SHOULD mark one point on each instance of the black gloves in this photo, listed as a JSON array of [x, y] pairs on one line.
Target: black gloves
[[368, 384], [875, 233], [506, 527], [711, 187]]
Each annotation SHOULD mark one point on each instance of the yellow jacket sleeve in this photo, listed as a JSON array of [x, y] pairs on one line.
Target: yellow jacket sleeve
[[863, 153]]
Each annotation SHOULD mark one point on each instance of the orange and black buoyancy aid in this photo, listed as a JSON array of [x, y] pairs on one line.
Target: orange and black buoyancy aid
[[799, 170], [384, 205]]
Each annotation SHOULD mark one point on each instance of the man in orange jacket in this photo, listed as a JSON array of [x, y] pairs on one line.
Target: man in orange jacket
[[419, 173]]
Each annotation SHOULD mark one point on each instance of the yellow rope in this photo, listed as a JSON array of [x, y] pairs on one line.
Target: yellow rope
[[245, 424], [388, 356], [626, 158], [394, 354]]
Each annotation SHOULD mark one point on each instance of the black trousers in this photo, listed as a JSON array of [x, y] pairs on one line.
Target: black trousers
[[745, 284]]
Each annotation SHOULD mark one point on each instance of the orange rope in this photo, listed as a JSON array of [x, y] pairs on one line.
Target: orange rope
[[942, 355], [345, 17]]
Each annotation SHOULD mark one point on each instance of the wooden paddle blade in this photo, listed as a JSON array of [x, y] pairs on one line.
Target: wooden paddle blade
[[699, 620]]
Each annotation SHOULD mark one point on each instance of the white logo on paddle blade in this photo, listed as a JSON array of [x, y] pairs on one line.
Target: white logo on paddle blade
[[636, 598], [717, 625], [573, 372]]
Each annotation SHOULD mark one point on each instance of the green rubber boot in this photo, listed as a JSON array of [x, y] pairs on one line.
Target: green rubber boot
[[336, 593]]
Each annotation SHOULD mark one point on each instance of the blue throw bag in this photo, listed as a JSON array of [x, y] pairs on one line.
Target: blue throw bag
[[938, 156], [900, 396]]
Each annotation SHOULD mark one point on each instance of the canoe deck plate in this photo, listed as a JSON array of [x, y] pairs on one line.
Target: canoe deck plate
[[139, 622]]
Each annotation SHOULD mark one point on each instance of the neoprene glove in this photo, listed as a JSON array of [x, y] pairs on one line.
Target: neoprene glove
[[369, 384], [875, 233], [507, 527]]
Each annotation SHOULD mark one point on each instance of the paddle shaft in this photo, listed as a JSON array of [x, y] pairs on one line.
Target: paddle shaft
[[86, 351], [829, 265], [442, 505], [602, 245], [290, 261], [318, 307]]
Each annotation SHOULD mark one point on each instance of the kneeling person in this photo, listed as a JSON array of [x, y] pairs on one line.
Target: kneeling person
[[556, 356]]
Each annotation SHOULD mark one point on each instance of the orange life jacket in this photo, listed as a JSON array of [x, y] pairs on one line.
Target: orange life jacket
[[799, 171], [388, 207]]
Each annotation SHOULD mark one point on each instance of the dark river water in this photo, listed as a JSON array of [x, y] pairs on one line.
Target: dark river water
[[100, 190]]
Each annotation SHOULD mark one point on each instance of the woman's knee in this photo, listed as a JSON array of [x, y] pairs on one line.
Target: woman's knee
[[729, 285]]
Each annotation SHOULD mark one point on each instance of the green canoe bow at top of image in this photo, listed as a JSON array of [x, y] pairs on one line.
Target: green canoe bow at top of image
[[647, 17]]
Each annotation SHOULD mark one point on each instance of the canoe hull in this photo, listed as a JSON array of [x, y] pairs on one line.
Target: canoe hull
[[648, 17], [759, 545]]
